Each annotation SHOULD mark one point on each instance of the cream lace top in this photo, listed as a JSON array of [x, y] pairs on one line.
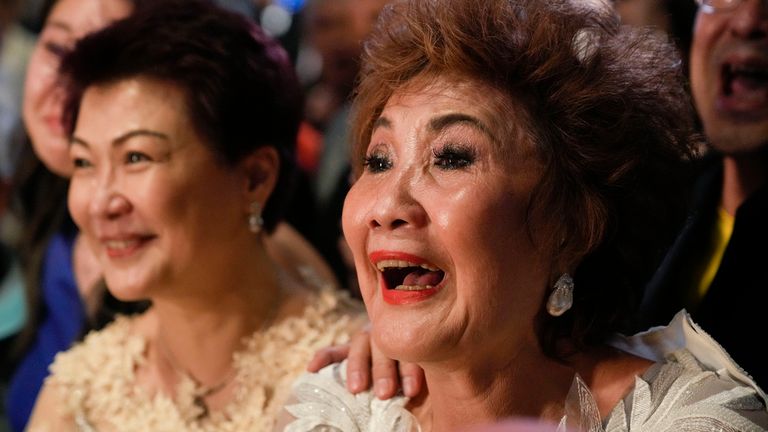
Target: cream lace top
[[694, 386], [97, 379]]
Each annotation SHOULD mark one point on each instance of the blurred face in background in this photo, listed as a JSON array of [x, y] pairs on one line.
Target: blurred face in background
[[729, 76], [68, 21], [337, 29]]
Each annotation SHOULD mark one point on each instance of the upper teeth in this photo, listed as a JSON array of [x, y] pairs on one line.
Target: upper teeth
[[120, 244], [385, 264]]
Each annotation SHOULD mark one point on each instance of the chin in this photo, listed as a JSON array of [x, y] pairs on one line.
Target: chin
[[127, 295], [126, 291], [738, 139], [405, 340]]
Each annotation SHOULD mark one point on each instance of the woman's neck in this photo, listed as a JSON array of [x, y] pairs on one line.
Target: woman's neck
[[528, 384], [201, 326], [482, 391]]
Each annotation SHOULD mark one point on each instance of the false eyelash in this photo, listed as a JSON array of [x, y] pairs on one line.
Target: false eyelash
[[376, 163]]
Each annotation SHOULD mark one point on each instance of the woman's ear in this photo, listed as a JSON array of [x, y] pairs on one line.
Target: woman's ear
[[260, 170]]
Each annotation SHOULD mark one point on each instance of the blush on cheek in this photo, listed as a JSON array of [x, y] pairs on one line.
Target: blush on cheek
[[79, 204]]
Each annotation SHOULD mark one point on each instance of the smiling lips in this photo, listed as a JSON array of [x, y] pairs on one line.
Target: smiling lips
[[124, 247], [406, 278]]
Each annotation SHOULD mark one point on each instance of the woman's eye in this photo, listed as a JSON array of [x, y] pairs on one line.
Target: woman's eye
[[453, 158], [136, 157], [377, 163], [56, 49], [79, 163]]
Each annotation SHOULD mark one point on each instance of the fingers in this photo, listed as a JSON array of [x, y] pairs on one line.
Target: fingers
[[326, 356], [385, 378], [366, 364], [412, 378], [359, 362]]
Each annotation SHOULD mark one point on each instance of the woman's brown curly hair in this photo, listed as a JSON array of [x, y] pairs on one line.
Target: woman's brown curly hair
[[603, 104]]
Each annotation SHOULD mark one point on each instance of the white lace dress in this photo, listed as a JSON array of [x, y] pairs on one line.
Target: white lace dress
[[693, 386], [97, 382]]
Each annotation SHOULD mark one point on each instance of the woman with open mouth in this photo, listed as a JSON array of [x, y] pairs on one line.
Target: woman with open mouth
[[518, 178]]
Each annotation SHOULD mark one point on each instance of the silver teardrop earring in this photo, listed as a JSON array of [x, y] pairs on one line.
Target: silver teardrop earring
[[561, 298], [255, 221]]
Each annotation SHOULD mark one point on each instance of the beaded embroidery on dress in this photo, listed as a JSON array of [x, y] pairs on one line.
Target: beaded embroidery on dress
[[326, 405], [97, 378], [675, 396]]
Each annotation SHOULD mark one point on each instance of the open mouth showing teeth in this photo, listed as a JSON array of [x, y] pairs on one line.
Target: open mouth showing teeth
[[406, 276], [121, 244]]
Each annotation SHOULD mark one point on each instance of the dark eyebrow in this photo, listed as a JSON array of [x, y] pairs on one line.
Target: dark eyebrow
[[439, 123], [124, 137], [75, 140], [381, 122], [139, 132], [60, 25]]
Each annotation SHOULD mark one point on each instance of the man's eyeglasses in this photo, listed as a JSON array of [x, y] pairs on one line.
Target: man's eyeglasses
[[710, 6]]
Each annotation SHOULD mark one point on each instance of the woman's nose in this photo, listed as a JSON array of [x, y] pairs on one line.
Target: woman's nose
[[398, 207], [109, 202]]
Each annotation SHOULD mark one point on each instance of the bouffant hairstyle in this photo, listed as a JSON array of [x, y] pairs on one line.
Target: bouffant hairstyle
[[603, 105], [241, 91]]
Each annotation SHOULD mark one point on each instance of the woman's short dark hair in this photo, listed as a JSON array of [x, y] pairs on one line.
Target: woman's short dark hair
[[606, 109], [241, 91]]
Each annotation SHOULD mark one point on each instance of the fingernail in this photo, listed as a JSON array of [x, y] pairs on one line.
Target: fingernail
[[409, 386], [356, 382], [382, 387]]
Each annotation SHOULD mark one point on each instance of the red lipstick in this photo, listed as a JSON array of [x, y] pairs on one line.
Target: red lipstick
[[398, 297], [416, 278]]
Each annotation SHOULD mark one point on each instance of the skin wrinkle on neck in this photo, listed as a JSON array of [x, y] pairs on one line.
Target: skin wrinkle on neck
[[458, 394], [506, 390]]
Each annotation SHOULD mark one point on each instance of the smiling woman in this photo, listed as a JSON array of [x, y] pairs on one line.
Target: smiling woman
[[181, 143], [519, 174], [153, 167], [64, 292]]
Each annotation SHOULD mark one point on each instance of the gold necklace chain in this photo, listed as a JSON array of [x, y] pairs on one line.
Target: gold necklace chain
[[202, 391]]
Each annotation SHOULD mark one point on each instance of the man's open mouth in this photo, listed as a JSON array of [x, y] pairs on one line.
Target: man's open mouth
[[744, 85]]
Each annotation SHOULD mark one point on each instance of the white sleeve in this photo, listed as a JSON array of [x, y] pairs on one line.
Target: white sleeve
[[325, 405]]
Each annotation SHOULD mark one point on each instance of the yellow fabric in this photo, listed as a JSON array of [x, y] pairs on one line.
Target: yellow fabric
[[720, 237]]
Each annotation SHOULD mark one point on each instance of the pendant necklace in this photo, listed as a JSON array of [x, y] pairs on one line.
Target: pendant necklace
[[201, 391]]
